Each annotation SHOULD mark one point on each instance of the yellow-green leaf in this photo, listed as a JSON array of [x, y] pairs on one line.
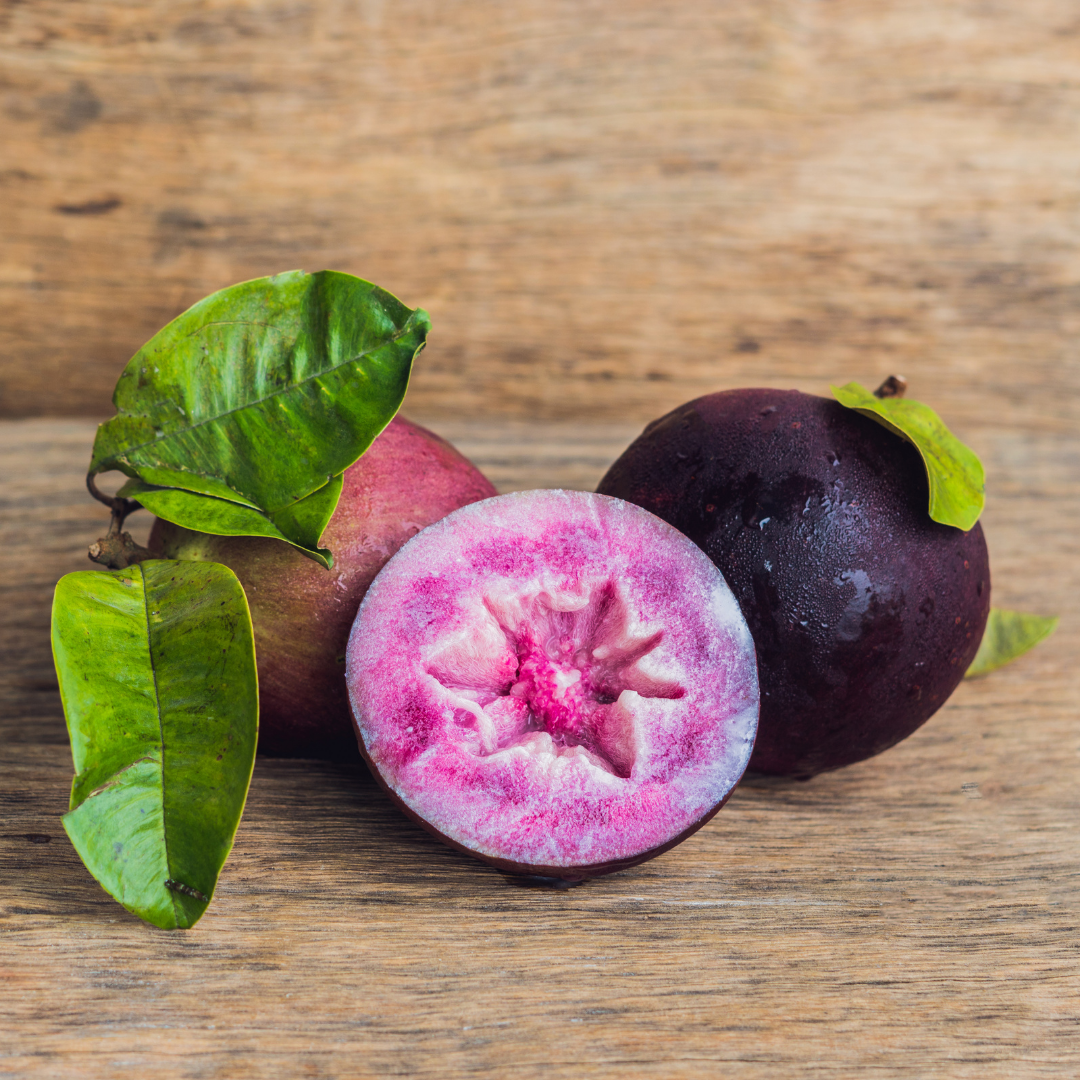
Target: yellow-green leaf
[[1008, 634], [957, 480]]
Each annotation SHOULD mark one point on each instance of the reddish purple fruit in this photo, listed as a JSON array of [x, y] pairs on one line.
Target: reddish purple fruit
[[864, 611], [302, 614], [555, 682]]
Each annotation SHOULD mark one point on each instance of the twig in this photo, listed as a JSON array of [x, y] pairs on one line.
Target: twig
[[893, 386], [116, 549]]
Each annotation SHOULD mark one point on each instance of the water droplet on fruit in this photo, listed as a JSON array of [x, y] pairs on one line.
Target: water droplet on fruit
[[755, 462]]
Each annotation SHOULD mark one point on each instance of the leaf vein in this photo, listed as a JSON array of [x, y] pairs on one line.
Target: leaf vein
[[115, 778], [233, 322], [259, 401]]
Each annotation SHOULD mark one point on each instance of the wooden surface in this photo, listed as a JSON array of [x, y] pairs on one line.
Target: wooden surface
[[912, 916], [608, 206]]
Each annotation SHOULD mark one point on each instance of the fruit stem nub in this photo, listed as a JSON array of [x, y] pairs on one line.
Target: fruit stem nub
[[893, 386], [116, 550]]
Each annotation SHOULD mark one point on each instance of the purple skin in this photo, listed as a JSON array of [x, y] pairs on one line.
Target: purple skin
[[864, 611], [555, 682], [302, 614]]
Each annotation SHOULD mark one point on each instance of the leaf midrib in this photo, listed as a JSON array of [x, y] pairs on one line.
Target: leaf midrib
[[161, 733]]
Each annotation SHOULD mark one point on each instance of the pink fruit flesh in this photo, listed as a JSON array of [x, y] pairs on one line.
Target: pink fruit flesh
[[302, 614], [557, 682]]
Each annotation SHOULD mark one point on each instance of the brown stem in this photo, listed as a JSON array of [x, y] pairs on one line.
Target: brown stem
[[123, 507], [893, 386], [116, 549]]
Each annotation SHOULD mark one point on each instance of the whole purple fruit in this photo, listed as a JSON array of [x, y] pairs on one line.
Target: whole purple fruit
[[864, 611]]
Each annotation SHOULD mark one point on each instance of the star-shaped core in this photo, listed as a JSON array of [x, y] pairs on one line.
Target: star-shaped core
[[556, 686]]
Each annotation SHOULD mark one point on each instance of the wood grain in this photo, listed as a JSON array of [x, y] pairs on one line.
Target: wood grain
[[912, 916], [608, 206]]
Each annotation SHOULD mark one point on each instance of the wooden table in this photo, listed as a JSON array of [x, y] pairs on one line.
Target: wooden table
[[915, 915]]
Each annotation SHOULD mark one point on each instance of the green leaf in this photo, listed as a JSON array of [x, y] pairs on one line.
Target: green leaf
[[305, 519], [156, 665], [957, 481], [261, 393], [1008, 634]]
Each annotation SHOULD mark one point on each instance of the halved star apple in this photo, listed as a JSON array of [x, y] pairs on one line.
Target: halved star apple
[[556, 682]]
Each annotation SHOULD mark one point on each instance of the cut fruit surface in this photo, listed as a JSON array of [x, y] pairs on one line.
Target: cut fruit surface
[[559, 683]]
